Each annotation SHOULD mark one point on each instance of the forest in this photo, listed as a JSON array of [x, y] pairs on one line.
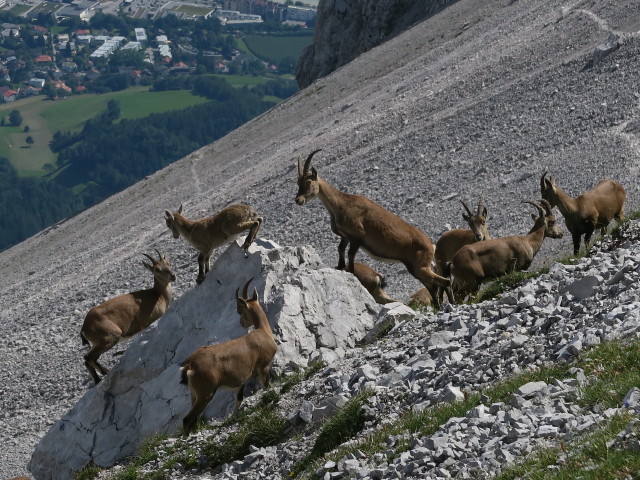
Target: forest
[[111, 153]]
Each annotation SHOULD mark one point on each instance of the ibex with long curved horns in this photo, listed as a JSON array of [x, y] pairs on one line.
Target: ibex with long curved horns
[[124, 316], [362, 223], [593, 209]]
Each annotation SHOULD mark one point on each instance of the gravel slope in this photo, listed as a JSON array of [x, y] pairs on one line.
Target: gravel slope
[[480, 99]]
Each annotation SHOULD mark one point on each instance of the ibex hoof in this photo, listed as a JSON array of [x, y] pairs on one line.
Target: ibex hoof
[[199, 280]]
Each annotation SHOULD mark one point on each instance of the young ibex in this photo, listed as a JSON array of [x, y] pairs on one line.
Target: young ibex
[[425, 296], [372, 280], [593, 209], [480, 261], [453, 240], [230, 364], [125, 315], [360, 222], [209, 233]]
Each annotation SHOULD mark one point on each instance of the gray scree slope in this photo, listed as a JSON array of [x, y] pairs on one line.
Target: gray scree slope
[[479, 99]]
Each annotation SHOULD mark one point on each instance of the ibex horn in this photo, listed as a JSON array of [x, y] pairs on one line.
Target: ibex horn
[[246, 287], [542, 179], [160, 256], [480, 205], [546, 205], [466, 208], [153, 261], [307, 162], [540, 209]]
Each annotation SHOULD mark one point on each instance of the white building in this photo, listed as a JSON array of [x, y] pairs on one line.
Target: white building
[[300, 14], [233, 16], [141, 35], [36, 82], [110, 45]]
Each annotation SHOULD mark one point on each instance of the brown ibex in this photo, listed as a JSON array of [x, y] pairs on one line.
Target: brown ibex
[[425, 296], [210, 233], [360, 222], [125, 315], [480, 261], [230, 364], [372, 280], [453, 240], [593, 209]]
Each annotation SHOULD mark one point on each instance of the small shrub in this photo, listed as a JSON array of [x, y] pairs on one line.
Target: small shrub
[[89, 472]]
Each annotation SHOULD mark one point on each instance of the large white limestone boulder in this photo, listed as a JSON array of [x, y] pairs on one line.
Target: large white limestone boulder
[[311, 308]]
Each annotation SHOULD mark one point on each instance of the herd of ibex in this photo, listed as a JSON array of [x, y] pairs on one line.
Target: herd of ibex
[[470, 257]]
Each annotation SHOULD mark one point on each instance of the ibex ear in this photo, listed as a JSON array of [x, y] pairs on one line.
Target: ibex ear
[[168, 215], [314, 173], [180, 209], [484, 212], [147, 266], [534, 216], [254, 298], [466, 217]]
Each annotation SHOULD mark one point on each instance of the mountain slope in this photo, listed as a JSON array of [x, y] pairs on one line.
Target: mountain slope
[[479, 99]]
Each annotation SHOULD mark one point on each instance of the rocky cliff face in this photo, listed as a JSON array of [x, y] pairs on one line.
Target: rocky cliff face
[[345, 30]]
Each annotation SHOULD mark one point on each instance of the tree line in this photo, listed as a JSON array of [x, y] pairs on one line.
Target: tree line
[[110, 153]]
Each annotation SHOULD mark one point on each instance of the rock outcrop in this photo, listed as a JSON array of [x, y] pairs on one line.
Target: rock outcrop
[[345, 30], [316, 312]]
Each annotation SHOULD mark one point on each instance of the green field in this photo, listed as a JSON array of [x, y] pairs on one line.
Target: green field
[[192, 10], [19, 9], [47, 7], [275, 49], [45, 117]]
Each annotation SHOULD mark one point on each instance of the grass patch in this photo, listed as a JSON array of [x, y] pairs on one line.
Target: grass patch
[[274, 48], [300, 375], [506, 282], [340, 428], [613, 365], [45, 117], [589, 458], [265, 427], [19, 8], [89, 472]]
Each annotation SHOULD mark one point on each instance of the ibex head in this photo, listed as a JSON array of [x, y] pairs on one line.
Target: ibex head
[[548, 189], [478, 222], [552, 229], [244, 305], [307, 180], [171, 221], [160, 268]]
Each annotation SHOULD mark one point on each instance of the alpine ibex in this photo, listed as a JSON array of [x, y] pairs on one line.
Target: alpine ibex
[[480, 261], [424, 296], [209, 233], [453, 240], [593, 209], [124, 316], [360, 222], [373, 281], [230, 364]]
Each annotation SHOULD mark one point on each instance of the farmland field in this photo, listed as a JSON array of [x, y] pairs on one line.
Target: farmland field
[[19, 8], [274, 48], [47, 7], [45, 117]]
